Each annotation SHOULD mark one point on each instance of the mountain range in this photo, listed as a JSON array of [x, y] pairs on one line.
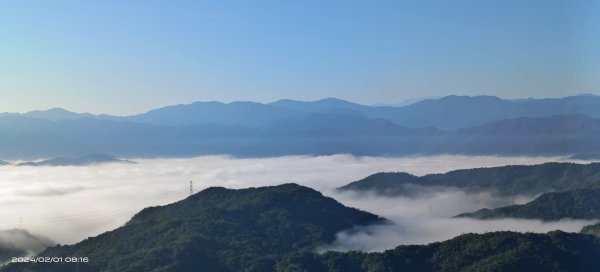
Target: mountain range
[[446, 113], [278, 228], [449, 125]]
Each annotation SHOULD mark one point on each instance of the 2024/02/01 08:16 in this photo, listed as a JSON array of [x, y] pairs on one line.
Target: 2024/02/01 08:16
[[50, 259]]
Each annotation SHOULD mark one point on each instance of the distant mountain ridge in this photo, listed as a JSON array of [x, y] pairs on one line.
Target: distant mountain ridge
[[91, 159], [481, 125], [311, 134], [447, 113], [249, 114], [56, 114]]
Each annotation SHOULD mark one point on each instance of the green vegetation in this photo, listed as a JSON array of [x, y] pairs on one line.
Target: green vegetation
[[506, 180], [216, 230], [277, 229], [578, 204], [497, 251]]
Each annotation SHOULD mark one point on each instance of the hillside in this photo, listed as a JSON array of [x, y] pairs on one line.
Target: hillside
[[496, 251], [278, 228], [512, 179], [577, 204], [20, 243], [217, 229], [591, 230]]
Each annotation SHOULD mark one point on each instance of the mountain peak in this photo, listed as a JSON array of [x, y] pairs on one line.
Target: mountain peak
[[220, 229], [56, 114], [332, 100]]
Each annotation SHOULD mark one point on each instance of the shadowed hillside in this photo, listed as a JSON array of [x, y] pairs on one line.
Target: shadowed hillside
[[577, 204], [507, 180]]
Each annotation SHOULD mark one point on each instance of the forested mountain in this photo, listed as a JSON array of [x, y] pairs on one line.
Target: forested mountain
[[216, 229], [278, 228], [496, 251], [507, 180], [576, 204]]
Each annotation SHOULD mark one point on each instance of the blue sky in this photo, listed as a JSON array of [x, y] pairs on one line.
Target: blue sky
[[123, 57]]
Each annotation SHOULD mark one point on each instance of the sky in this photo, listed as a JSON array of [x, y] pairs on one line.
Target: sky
[[126, 57]]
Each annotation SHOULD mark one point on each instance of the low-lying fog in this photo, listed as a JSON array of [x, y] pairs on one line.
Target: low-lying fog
[[68, 204], [428, 219]]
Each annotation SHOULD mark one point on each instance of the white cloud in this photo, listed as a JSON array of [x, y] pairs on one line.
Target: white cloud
[[68, 204], [428, 218]]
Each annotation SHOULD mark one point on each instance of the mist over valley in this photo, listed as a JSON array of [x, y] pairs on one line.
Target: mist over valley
[[48, 198]]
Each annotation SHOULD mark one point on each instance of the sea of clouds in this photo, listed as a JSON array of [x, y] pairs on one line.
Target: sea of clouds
[[68, 204]]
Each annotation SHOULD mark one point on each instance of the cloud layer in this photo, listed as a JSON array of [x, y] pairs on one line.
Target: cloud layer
[[428, 218], [68, 204]]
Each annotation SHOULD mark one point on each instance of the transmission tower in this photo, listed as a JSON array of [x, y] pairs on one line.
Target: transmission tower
[[191, 187]]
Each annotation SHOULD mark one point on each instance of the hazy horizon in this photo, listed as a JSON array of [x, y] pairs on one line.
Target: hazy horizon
[[401, 103], [121, 58]]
